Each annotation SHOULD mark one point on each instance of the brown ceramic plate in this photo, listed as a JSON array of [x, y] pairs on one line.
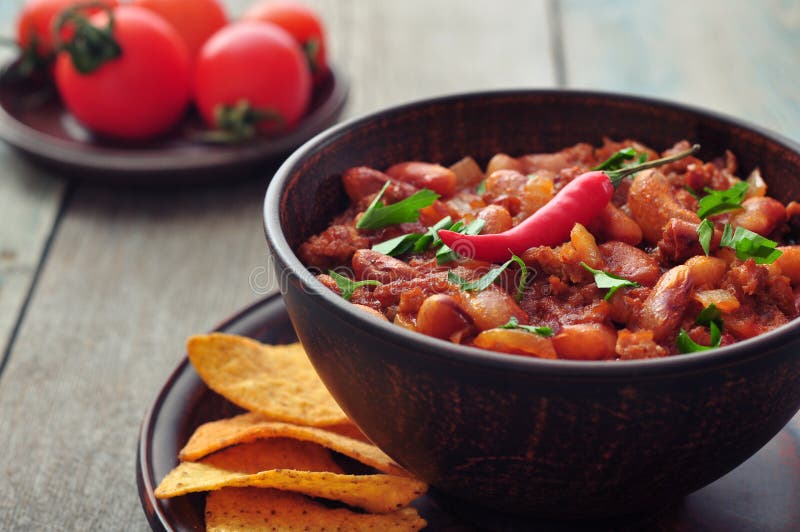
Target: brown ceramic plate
[[763, 493], [33, 120]]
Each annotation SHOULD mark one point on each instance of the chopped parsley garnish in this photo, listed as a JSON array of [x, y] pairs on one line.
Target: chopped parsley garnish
[[445, 254], [395, 247], [704, 233], [431, 237], [720, 201], [687, 345], [616, 161], [692, 191], [379, 215], [608, 280], [642, 159], [523, 268], [481, 188], [486, 280], [711, 317], [710, 314], [429, 240], [347, 285], [748, 244], [513, 323]]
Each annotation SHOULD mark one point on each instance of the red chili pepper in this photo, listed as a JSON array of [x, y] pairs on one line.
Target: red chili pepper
[[580, 201]]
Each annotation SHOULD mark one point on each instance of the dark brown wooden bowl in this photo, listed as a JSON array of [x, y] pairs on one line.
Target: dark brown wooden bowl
[[763, 490], [556, 438]]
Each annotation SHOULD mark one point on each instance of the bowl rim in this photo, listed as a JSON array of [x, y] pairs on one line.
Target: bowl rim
[[428, 346]]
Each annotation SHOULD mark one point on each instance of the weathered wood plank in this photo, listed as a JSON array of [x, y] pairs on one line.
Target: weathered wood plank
[[735, 57], [130, 274], [29, 201], [400, 51]]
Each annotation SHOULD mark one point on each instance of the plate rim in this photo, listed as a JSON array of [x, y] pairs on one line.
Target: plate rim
[[144, 474], [145, 480], [88, 157]]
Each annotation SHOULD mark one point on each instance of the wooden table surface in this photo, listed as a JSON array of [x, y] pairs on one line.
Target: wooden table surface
[[100, 286]]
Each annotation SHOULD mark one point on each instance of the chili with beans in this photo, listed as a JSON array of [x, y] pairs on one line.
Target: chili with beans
[[539, 255]]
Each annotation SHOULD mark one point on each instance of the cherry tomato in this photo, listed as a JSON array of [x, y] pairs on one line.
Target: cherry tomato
[[36, 22], [256, 63], [140, 93], [302, 23], [194, 20]]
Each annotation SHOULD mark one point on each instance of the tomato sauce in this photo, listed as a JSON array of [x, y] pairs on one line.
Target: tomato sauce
[[686, 257]]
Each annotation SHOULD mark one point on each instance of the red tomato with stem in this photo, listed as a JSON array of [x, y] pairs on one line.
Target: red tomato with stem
[[302, 23], [252, 76], [194, 20], [35, 22], [138, 93]]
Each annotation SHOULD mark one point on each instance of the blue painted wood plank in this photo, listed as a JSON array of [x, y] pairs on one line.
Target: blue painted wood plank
[[738, 57]]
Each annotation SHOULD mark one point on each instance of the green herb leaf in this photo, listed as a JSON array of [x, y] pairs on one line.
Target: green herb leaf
[[727, 236], [513, 323], [431, 237], [711, 317], [395, 247], [640, 160], [710, 314], [379, 215], [523, 277], [478, 285], [483, 282], [481, 188], [445, 254], [632, 169], [687, 345], [347, 285], [608, 280], [704, 233], [458, 226], [720, 201], [474, 226], [748, 244], [617, 159], [692, 191]]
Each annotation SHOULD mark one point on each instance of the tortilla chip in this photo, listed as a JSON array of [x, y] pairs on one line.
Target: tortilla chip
[[373, 493], [251, 427], [275, 453], [350, 430], [236, 509], [277, 381]]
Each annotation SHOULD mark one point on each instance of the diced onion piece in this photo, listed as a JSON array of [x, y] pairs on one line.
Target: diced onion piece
[[757, 186], [722, 299], [516, 341], [535, 194], [404, 320], [586, 249], [468, 173]]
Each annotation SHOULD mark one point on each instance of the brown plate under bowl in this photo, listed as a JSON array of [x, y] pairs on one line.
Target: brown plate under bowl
[[34, 121], [556, 438], [761, 493]]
